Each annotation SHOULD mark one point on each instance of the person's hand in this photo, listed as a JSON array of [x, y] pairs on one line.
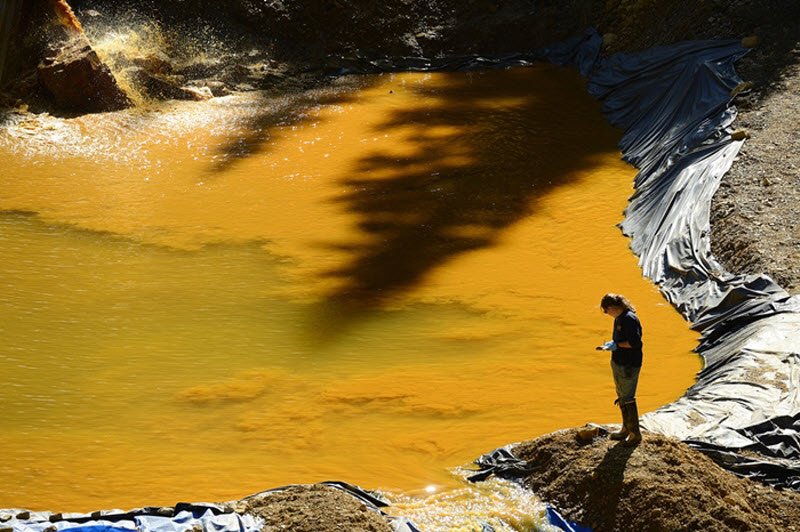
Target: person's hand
[[608, 346]]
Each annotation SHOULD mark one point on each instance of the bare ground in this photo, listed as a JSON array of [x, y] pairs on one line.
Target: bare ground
[[755, 216], [660, 485], [313, 508]]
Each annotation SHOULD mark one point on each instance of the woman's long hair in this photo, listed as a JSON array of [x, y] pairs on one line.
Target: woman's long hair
[[616, 300]]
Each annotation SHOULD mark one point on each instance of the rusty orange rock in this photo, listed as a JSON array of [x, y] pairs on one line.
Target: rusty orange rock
[[66, 16]]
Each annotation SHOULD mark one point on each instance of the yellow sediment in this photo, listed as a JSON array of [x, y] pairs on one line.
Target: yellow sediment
[[375, 282]]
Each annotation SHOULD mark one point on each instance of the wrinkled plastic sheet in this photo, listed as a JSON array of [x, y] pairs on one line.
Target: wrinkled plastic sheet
[[675, 107], [205, 517], [183, 517], [581, 52]]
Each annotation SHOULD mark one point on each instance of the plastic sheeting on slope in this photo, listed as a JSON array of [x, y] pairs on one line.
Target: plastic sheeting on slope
[[581, 52], [674, 105], [183, 517]]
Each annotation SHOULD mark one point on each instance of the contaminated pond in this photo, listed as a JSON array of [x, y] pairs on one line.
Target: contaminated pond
[[375, 281]]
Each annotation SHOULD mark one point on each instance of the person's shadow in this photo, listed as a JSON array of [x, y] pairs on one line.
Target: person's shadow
[[609, 474]]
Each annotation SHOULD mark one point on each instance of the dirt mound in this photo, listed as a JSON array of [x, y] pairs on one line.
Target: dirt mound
[[660, 485], [754, 226], [313, 508]]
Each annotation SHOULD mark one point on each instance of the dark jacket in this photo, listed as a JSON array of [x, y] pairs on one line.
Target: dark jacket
[[628, 329]]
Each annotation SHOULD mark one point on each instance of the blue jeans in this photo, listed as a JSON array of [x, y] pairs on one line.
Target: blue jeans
[[625, 380]]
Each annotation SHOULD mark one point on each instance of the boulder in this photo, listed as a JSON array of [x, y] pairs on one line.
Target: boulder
[[197, 93], [155, 63], [78, 80], [167, 87], [156, 86], [215, 87], [218, 88]]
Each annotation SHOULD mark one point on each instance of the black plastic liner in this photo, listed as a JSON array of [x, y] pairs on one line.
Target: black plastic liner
[[674, 104], [581, 52]]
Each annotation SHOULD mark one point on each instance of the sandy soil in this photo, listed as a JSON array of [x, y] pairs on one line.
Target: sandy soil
[[313, 508], [660, 485], [755, 214]]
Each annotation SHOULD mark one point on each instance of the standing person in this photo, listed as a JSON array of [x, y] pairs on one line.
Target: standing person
[[626, 361]]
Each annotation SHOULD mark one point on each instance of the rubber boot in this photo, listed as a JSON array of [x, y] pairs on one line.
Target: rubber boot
[[631, 413], [623, 432]]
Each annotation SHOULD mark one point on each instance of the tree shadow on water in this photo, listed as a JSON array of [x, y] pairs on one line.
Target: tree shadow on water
[[487, 147]]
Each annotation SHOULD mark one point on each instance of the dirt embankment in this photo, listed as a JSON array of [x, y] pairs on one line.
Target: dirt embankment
[[661, 485], [755, 216]]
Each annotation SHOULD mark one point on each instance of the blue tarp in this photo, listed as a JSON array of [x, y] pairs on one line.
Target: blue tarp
[[183, 517], [209, 518], [555, 519], [97, 528]]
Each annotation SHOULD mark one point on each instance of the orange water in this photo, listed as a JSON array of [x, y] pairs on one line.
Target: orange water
[[374, 282]]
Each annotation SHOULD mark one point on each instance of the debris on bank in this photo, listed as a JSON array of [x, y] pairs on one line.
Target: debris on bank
[[323, 507]]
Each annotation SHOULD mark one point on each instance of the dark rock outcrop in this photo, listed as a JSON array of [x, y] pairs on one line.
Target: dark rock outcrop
[[78, 80]]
